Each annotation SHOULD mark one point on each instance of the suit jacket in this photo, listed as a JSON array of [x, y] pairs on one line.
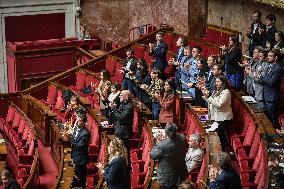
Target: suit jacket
[[249, 78], [170, 154], [220, 106], [228, 179], [80, 146], [271, 81], [193, 158], [255, 39], [160, 54], [232, 59], [269, 35], [116, 174], [167, 112], [122, 118], [132, 67]]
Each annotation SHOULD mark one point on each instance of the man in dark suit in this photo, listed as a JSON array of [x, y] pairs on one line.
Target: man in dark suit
[[123, 118], [255, 32], [128, 70], [227, 177], [170, 155], [271, 81], [159, 51], [269, 33], [79, 150], [210, 80]]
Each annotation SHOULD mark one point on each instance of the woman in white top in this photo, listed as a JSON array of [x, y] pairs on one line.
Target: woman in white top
[[219, 107]]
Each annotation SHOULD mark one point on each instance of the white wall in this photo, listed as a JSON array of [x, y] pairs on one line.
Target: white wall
[[33, 7]]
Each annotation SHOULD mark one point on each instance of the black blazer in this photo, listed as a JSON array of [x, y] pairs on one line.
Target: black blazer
[[160, 54], [116, 174], [228, 179], [232, 60], [122, 118], [271, 81], [80, 147], [256, 39], [269, 35], [132, 67]]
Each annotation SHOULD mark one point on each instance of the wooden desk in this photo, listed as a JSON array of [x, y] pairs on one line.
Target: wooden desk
[[214, 147], [184, 103], [97, 52], [3, 151]]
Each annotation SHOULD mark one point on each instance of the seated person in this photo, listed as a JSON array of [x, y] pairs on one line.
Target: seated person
[[224, 176], [72, 107], [186, 185], [8, 181], [194, 155]]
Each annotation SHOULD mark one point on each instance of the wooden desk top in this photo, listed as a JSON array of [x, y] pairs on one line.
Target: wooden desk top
[[97, 52], [68, 171], [3, 149], [214, 147]]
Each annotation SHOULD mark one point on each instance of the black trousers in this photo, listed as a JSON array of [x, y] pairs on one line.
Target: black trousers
[[223, 125], [81, 173]]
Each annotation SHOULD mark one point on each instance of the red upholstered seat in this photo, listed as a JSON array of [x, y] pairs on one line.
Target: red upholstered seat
[[80, 81], [52, 94], [242, 154], [118, 77], [139, 51], [248, 139], [10, 115], [22, 126], [169, 40], [111, 66], [16, 120]]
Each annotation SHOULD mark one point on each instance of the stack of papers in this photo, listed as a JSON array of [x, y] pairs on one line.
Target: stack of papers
[[104, 124], [212, 127], [2, 140], [249, 99], [159, 133]]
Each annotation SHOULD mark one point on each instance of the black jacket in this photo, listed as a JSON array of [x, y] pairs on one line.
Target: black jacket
[[232, 59], [255, 39], [80, 147], [269, 35], [228, 179], [122, 118]]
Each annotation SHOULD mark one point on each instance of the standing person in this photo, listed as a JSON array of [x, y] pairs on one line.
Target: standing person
[[181, 43], [122, 118], [159, 51], [113, 97], [155, 87], [115, 171], [232, 58], [255, 32], [186, 59], [79, 150], [271, 81], [194, 155], [217, 70], [269, 33], [279, 44], [128, 70], [104, 89], [250, 68], [167, 102], [219, 108], [170, 155], [8, 181], [261, 67], [224, 176]]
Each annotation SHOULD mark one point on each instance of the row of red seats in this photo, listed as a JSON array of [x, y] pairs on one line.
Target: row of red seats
[[141, 163], [248, 147], [21, 146], [190, 126], [216, 36]]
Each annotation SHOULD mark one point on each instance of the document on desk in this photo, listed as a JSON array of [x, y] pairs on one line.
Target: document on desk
[[249, 99], [2, 140], [212, 127]]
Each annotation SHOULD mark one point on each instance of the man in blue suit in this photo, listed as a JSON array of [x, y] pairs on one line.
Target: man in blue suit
[[271, 81], [79, 150], [159, 51], [226, 177]]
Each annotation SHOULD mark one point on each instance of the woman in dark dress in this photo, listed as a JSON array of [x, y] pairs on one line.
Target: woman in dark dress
[[232, 58], [115, 171]]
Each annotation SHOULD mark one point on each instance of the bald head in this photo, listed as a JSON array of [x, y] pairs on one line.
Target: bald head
[[124, 95]]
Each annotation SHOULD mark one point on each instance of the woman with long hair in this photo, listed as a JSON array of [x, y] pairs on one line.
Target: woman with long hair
[[219, 107], [115, 171], [232, 58], [104, 89], [167, 102]]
